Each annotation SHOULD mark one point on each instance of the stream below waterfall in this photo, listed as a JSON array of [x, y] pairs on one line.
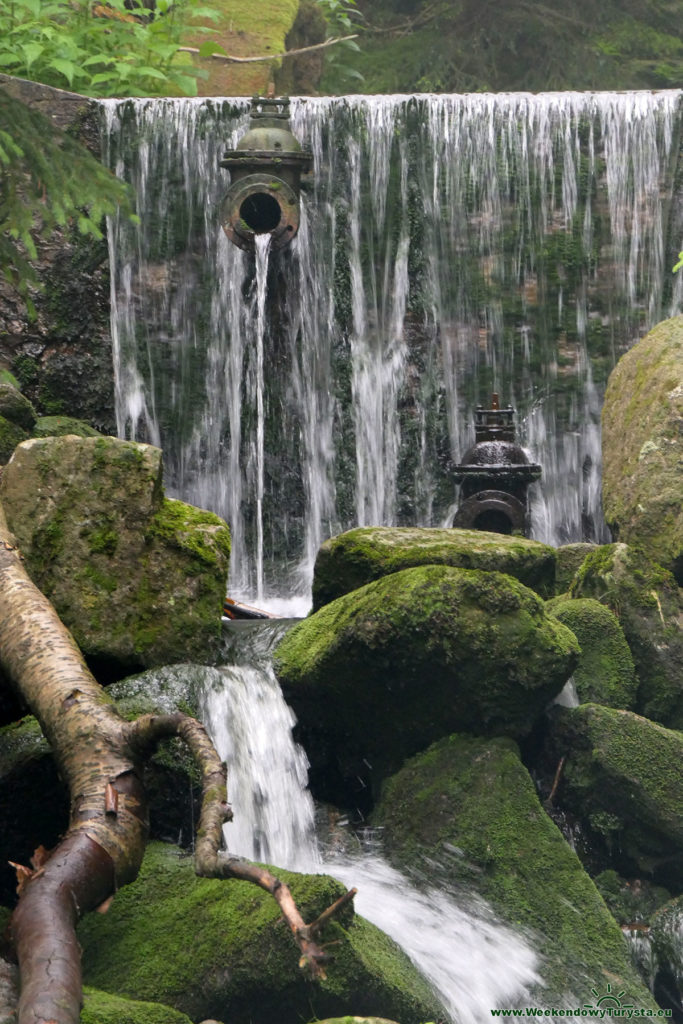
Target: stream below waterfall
[[472, 960]]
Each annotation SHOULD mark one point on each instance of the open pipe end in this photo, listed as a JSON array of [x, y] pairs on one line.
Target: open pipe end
[[260, 204]]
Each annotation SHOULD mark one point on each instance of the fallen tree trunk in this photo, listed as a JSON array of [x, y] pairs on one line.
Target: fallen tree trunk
[[100, 757]]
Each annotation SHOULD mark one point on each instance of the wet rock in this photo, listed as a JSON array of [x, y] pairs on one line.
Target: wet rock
[[468, 808], [138, 578], [568, 560], [382, 672], [16, 408], [104, 1008], [605, 673], [649, 606], [59, 426], [622, 777], [360, 556], [213, 948], [642, 443]]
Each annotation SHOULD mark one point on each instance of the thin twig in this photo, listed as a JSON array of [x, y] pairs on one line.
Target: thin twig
[[270, 56], [556, 782]]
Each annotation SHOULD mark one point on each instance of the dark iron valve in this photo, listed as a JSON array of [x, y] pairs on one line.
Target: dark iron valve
[[265, 178]]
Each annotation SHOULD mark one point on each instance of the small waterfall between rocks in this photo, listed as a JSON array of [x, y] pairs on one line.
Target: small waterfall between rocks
[[450, 246], [471, 960]]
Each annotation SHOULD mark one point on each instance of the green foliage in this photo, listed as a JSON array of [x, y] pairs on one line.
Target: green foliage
[[679, 264], [440, 46], [48, 180], [342, 17], [117, 50]]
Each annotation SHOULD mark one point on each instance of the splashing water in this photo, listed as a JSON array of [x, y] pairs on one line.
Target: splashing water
[[472, 961]]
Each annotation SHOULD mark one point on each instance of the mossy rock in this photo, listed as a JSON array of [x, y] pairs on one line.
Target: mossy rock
[[104, 1008], [569, 559], [623, 777], [469, 807], [138, 578], [632, 902], [213, 948], [368, 553], [649, 606], [642, 446], [382, 672], [354, 1020], [60, 426], [15, 407], [10, 436], [605, 673]]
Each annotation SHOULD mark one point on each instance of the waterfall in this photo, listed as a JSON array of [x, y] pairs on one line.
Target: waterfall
[[471, 960], [450, 246]]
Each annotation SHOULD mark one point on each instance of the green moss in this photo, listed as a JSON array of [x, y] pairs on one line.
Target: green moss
[[649, 606], [605, 673], [630, 902], [622, 776], [8, 378], [58, 426], [26, 370], [104, 1008], [10, 436], [185, 527], [20, 743], [360, 556], [470, 806], [217, 948], [385, 670]]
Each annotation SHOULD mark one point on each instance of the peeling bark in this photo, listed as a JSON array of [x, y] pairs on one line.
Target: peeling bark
[[100, 756]]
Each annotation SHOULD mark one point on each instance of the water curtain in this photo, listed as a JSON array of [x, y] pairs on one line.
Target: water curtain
[[449, 247]]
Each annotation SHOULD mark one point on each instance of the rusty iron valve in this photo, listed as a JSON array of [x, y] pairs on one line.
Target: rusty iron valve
[[265, 178]]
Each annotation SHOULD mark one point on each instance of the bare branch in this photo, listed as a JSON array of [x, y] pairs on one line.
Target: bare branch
[[271, 56]]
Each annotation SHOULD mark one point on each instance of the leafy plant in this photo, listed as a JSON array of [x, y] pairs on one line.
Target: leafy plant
[[47, 180], [121, 48], [342, 17], [679, 264]]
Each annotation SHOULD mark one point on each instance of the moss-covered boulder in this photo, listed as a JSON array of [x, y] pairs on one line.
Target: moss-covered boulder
[[649, 606], [469, 806], [382, 672], [605, 673], [60, 426], [360, 556], [623, 777], [104, 1008], [630, 901], [138, 578], [11, 434], [15, 407], [642, 446], [212, 948], [568, 560]]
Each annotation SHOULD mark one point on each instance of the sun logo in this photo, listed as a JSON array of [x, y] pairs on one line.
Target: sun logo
[[610, 998]]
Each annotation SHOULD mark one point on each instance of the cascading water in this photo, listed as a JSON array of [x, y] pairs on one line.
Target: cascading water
[[451, 246], [472, 961]]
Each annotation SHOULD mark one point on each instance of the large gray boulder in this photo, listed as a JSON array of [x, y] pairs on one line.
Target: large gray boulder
[[382, 672], [367, 553], [138, 578], [642, 446]]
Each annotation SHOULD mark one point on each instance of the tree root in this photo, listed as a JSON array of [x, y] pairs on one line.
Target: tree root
[[101, 758]]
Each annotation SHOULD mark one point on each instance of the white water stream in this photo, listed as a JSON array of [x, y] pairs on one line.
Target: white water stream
[[472, 961]]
